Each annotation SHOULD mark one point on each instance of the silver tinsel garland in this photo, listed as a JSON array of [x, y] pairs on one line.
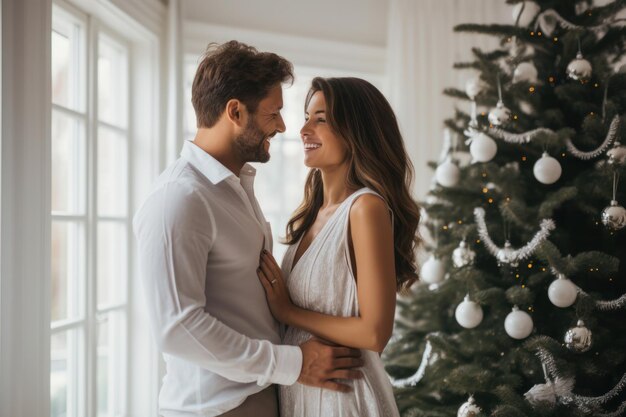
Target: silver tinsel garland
[[610, 137], [546, 226], [561, 390], [519, 138], [419, 374], [548, 19]]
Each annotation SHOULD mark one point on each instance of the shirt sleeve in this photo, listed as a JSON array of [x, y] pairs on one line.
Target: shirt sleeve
[[175, 231]]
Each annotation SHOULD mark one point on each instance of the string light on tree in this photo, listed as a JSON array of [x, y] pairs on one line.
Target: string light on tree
[[547, 170], [562, 292], [518, 324], [468, 313]]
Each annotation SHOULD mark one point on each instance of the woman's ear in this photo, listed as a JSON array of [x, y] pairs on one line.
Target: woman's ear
[[235, 112]]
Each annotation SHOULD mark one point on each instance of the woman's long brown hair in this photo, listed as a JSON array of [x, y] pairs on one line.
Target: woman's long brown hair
[[363, 118]]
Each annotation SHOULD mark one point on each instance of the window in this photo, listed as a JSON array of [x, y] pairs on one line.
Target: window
[[90, 217]]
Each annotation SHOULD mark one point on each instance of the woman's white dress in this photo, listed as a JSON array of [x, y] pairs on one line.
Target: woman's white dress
[[322, 280]]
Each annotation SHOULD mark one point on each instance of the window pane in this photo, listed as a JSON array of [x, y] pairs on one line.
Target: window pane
[[112, 82], [112, 263], [111, 364], [112, 173], [68, 268], [65, 358], [68, 164], [68, 61]]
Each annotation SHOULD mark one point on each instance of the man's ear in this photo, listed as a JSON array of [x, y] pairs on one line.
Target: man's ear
[[236, 112]]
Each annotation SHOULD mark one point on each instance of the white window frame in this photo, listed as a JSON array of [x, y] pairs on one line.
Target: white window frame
[[87, 323]]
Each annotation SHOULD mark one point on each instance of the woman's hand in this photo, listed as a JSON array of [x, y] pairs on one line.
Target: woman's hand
[[275, 288]]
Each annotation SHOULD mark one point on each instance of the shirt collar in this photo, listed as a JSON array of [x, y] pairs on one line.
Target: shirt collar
[[212, 168]]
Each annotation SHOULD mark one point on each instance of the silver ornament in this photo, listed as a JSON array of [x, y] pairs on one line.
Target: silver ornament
[[548, 394], [579, 69], [617, 154], [507, 256], [578, 339], [469, 408], [499, 115], [463, 255], [614, 216]]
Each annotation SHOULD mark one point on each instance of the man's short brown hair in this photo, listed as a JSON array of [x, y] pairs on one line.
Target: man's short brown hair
[[235, 70]]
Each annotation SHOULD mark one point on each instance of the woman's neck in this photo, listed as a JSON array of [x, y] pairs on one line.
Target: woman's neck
[[335, 187]]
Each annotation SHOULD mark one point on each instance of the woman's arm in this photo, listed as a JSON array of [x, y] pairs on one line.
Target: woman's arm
[[372, 239]]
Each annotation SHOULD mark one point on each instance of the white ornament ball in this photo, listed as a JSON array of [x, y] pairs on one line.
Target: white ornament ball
[[463, 255], [562, 292], [525, 71], [528, 11], [469, 409], [473, 87], [579, 69], [578, 339], [614, 216], [483, 148], [518, 324], [499, 115], [617, 154], [468, 314], [448, 174], [547, 169], [433, 271]]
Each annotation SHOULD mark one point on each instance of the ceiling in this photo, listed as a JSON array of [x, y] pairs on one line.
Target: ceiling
[[352, 21]]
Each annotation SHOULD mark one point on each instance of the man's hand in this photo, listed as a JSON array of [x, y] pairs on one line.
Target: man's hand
[[322, 363]]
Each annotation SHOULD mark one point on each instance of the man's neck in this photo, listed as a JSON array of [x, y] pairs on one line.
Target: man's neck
[[217, 144]]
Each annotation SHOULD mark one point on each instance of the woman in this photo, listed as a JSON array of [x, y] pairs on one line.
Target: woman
[[352, 244]]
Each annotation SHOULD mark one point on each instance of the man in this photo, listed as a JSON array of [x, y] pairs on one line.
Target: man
[[200, 235]]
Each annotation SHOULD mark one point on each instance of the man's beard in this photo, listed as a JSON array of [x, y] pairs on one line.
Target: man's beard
[[250, 144]]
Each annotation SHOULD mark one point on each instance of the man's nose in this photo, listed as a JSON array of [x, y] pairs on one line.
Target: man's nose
[[281, 124]]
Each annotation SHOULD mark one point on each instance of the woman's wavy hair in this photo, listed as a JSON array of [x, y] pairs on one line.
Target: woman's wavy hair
[[363, 118]]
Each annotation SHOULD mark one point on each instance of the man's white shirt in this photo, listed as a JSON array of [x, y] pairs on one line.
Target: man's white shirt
[[200, 233]]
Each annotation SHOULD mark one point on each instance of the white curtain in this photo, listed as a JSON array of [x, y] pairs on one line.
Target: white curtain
[[422, 48]]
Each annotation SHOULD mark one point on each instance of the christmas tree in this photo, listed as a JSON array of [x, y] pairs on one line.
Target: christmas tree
[[521, 309]]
